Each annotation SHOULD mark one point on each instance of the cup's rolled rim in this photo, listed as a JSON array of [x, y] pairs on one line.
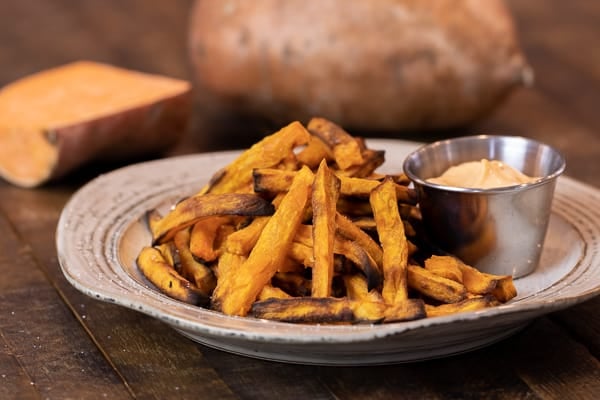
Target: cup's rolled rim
[[484, 137]]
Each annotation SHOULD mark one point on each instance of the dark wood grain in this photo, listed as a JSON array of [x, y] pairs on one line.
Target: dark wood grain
[[57, 343], [51, 348]]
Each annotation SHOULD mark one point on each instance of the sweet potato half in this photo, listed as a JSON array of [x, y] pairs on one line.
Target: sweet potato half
[[56, 120]]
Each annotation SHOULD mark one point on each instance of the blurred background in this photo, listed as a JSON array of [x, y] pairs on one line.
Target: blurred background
[[557, 37]]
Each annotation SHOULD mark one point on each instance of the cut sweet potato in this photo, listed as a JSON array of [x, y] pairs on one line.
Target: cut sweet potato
[[56, 120]]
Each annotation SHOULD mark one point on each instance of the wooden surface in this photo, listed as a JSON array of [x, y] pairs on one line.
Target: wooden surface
[[56, 343]]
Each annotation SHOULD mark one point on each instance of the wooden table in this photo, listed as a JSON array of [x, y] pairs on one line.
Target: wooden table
[[56, 343]]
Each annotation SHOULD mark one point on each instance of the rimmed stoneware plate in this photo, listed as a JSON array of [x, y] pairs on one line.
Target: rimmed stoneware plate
[[101, 230]]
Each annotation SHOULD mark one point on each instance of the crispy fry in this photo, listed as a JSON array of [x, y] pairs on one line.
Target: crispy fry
[[368, 224], [373, 159], [405, 310], [476, 281], [304, 235], [435, 287], [393, 241], [325, 192], [162, 274], [500, 286], [152, 218], [242, 241], [195, 208], [505, 289], [346, 149], [222, 234], [289, 163], [470, 304], [362, 187], [228, 263], [367, 311], [267, 153], [445, 266], [315, 151], [168, 251], [400, 178], [302, 253], [272, 292], [272, 180], [318, 310], [204, 237], [350, 231], [357, 289], [235, 293], [192, 270]]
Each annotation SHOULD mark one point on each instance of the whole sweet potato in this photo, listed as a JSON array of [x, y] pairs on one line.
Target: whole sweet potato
[[384, 65], [56, 120]]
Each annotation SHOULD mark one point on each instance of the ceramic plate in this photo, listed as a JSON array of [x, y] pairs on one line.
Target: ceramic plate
[[100, 232]]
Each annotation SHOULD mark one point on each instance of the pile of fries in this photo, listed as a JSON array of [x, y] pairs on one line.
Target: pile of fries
[[301, 228]]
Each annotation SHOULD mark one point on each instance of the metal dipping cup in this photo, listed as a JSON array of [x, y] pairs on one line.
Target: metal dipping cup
[[499, 231]]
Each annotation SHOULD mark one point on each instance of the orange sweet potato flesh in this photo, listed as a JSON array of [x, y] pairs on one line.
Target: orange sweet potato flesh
[[56, 120], [374, 66]]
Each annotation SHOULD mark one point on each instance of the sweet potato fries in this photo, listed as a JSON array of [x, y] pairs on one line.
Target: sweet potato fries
[[301, 228]]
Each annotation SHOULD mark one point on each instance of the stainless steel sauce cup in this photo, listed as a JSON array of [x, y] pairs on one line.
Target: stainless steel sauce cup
[[501, 230]]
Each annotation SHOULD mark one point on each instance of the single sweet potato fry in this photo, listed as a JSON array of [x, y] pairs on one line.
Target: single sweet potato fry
[[271, 180], [318, 310], [505, 289], [325, 192], [243, 240], [373, 159], [315, 151], [357, 289], [445, 266], [434, 286], [204, 235], [153, 265], [228, 263], [271, 292], [470, 304], [346, 149], [405, 310], [476, 281], [362, 187], [267, 153], [393, 241], [194, 208]]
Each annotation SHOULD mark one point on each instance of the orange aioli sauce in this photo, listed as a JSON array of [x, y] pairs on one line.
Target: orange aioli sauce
[[483, 174]]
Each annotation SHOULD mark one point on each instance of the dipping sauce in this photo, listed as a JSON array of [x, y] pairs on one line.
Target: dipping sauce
[[483, 174]]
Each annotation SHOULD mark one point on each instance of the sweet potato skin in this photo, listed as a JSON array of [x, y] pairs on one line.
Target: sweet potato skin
[[51, 146], [123, 135], [384, 65]]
